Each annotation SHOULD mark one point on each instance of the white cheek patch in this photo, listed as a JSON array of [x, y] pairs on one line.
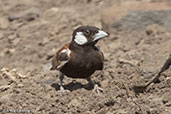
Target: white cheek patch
[[80, 38]]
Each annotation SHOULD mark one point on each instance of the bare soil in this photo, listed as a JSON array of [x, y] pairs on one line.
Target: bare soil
[[31, 31]]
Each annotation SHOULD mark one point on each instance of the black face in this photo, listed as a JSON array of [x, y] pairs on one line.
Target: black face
[[88, 31], [88, 35]]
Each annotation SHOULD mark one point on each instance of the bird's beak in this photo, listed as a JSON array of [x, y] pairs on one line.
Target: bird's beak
[[101, 34]]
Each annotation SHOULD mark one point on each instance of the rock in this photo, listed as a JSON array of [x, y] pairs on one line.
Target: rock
[[74, 102], [6, 72], [4, 23], [28, 15], [6, 51], [90, 112], [109, 112], [12, 36], [2, 54], [166, 99], [43, 42], [20, 85], [5, 98], [16, 41], [4, 88], [1, 35], [130, 62], [9, 51], [12, 74], [136, 16], [51, 12]]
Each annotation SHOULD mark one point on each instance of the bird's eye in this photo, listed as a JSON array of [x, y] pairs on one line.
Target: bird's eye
[[87, 32]]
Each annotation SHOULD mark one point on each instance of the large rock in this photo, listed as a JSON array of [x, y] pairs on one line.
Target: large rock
[[136, 15]]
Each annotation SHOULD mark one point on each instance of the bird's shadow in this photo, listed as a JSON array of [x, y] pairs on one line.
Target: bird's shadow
[[72, 86]]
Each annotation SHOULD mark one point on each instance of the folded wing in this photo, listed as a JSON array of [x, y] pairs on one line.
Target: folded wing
[[61, 58]]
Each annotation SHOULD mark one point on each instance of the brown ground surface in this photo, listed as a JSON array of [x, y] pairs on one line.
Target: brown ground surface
[[27, 42]]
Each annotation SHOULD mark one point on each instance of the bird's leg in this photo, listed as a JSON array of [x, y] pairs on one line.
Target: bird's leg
[[90, 82], [61, 77], [96, 89]]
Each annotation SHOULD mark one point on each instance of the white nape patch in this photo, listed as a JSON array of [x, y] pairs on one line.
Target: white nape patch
[[80, 38]]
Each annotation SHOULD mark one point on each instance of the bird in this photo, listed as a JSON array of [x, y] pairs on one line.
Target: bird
[[81, 57], [167, 64]]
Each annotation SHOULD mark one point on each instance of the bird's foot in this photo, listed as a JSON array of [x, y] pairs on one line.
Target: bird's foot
[[62, 90], [97, 89]]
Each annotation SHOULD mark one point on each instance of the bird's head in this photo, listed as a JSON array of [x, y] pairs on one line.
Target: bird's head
[[88, 35]]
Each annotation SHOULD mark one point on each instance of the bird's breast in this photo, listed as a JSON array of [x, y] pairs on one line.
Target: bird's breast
[[82, 65]]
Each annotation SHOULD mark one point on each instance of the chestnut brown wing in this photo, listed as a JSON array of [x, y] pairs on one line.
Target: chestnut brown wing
[[61, 58]]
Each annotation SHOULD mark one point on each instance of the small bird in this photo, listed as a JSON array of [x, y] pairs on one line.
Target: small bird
[[80, 58]]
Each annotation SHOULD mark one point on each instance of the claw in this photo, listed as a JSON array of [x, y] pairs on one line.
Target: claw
[[97, 89], [62, 90]]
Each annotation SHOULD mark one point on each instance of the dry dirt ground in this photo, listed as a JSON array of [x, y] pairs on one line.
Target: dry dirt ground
[[32, 30]]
